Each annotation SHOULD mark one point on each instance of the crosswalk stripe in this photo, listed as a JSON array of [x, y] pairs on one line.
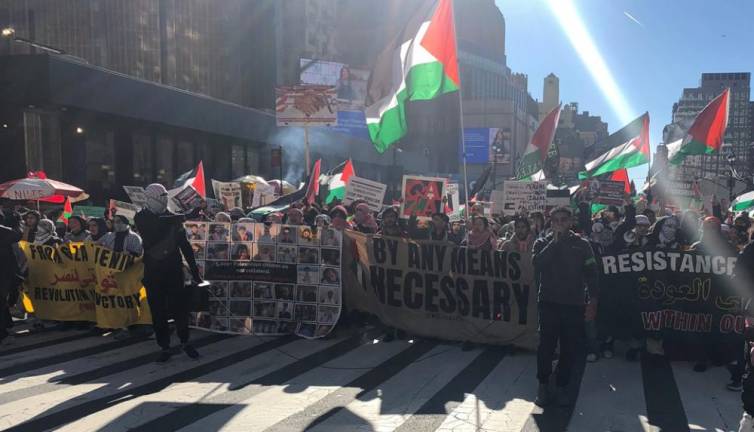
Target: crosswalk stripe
[[86, 399], [243, 390], [394, 401], [324, 408], [21, 344], [664, 407], [709, 405], [92, 346], [434, 411], [290, 398], [155, 410], [502, 402], [76, 371]]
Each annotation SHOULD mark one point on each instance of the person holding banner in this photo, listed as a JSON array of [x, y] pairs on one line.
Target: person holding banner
[[364, 221], [31, 221], [122, 239], [563, 265], [481, 236], [522, 240], [295, 216], [390, 226], [97, 229], [165, 240]]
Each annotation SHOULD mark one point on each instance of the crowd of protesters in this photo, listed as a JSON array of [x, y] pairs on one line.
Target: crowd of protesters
[[565, 246]]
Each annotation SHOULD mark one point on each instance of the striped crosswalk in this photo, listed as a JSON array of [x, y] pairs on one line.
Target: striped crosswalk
[[75, 381]]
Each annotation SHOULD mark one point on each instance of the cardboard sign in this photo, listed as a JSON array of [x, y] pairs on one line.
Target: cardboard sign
[[521, 196], [136, 195], [123, 209], [362, 189], [229, 194], [422, 196]]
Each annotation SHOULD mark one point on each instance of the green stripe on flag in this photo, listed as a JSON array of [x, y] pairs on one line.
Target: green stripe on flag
[[424, 82], [628, 160]]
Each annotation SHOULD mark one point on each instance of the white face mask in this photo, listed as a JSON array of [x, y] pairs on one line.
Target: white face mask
[[120, 227]]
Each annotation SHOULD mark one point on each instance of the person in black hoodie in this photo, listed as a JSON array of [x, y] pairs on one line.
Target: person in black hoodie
[[164, 240], [97, 228]]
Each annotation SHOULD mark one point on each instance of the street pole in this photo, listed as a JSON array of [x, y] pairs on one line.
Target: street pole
[[307, 157]]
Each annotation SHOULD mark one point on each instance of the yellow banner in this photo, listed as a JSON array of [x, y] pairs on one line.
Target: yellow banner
[[85, 282]]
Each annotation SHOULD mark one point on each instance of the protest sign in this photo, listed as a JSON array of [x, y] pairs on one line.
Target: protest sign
[[268, 279], [680, 194], [124, 209], [677, 296], [187, 199], [607, 192], [136, 195], [422, 196], [440, 290], [558, 198], [256, 194], [521, 196], [303, 105], [229, 194], [453, 196], [362, 189], [85, 282]]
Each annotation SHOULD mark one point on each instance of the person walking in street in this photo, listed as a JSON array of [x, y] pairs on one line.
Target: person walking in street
[[9, 271], [164, 240], [563, 264]]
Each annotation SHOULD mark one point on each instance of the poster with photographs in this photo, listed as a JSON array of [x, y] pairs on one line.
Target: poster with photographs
[[268, 279]]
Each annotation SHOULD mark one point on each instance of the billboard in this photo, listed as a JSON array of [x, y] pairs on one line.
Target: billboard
[[484, 145], [350, 91], [303, 105]]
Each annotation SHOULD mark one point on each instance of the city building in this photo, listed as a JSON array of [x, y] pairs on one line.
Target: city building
[[580, 138], [736, 151], [550, 95], [86, 92]]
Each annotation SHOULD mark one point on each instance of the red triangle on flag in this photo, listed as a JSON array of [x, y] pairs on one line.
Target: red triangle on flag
[[621, 175], [198, 182], [440, 40], [347, 172]]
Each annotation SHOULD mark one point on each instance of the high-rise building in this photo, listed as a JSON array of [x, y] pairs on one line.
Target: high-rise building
[[737, 143], [578, 138]]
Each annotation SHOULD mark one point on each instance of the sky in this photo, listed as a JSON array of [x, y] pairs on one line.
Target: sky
[[651, 48]]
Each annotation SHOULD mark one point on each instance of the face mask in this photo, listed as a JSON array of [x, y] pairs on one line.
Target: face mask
[[120, 227], [668, 233]]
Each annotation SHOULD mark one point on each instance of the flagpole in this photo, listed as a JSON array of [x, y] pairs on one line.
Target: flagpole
[[307, 157], [460, 108]]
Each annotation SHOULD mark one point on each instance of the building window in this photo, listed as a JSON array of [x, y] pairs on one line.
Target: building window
[[143, 166], [100, 162], [252, 161], [184, 157], [165, 154], [237, 161]]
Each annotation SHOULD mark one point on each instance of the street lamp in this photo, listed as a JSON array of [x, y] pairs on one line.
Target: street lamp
[[8, 32]]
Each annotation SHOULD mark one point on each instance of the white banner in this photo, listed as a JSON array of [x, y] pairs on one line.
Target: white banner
[[306, 105], [362, 189], [520, 196], [123, 209]]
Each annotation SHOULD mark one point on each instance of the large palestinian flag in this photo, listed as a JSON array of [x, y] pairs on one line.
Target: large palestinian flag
[[633, 151], [705, 136], [419, 65], [534, 157]]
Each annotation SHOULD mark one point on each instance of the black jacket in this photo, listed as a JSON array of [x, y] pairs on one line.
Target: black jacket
[[8, 266], [564, 268], [153, 229]]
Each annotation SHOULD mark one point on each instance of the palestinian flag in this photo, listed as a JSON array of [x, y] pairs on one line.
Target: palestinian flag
[[333, 183], [633, 151], [705, 136], [312, 188], [195, 178], [743, 202], [67, 211], [535, 155], [420, 64]]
